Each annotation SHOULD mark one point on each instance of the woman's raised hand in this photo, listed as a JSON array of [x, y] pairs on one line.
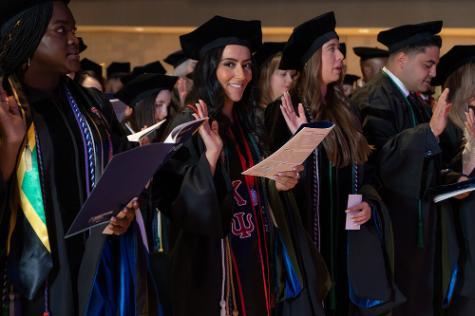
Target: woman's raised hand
[[293, 120], [12, 123], [210, 135]]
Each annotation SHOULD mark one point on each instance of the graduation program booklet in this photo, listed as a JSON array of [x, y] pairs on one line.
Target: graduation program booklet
[[125, 177], [184, 131], [175, 135], [444, 192], [294, 152], [136, 137]]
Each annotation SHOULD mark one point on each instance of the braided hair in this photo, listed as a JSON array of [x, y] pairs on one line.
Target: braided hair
[[21, 35]]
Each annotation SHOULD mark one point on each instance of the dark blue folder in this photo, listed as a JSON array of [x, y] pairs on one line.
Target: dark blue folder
[[123, 179]]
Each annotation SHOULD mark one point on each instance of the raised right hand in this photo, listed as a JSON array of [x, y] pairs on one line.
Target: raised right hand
[[12, 124], [293, 120], [438, 121], [210, 135]]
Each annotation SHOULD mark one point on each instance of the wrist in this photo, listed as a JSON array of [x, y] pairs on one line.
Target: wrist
[[213, 152], [435, 131], [212, 157]]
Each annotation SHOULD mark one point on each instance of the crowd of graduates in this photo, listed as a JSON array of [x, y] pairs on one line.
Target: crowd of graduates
[[215, 241]]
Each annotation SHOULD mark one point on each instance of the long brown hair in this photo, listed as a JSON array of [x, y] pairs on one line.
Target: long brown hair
[[345, 144], [462, 88], [264, 83]]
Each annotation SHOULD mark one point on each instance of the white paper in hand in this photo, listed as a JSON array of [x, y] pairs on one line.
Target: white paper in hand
[[136, 137], [184, 131], [292, 153], [353, 199]]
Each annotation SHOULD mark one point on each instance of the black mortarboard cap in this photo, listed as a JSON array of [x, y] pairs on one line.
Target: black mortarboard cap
[[306, 39], [143, 86], [155, 67], [343, 49], [89, 65], [9, 9], [403, 36], [350, 79], [118, 69], [268, 50], [455, 58], [221, 31], [365, 53], [82, 45], [175, 59]]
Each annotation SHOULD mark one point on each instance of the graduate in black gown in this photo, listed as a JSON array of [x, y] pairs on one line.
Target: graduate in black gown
[[349, 84], [150, 96], [360, 273], [115, 72], [272, 82], [372, 60], [407, 161], [241, 248], [456, 71], [182, 68], [90, 75], [56, 138]]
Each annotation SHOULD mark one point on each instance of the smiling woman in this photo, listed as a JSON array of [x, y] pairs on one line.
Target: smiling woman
[[233, 256], [64, 136], [234, 72]]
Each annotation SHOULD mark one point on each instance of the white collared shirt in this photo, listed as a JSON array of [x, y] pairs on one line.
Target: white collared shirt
[[398, 82]]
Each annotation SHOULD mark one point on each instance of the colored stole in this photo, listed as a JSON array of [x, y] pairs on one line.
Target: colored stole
[[28, 176], [29, 188], [28, 196], [244, 223]]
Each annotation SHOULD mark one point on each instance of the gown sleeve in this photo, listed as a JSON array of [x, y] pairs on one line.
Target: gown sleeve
[[410, 150], [186, 191]]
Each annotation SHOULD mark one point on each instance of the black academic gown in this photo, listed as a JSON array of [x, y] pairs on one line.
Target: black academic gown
[[406, 162], [464, 293], [71, 268], [463, 303], [201, 206], [326, 188]]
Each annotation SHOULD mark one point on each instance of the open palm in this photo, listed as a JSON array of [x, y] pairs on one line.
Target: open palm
[[293, 120]]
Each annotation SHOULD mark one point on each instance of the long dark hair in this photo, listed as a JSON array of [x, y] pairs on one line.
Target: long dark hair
[[207, 88], [144, 112]]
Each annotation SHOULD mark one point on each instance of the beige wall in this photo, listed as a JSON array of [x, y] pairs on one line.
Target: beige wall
[[162, 21], [145, 44], [360, 13]]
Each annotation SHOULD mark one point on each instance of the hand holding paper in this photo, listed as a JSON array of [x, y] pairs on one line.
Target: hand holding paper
[[285, 181], [293, 153], [447, 191], [120, 223], [357, 213], [134, 167]]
